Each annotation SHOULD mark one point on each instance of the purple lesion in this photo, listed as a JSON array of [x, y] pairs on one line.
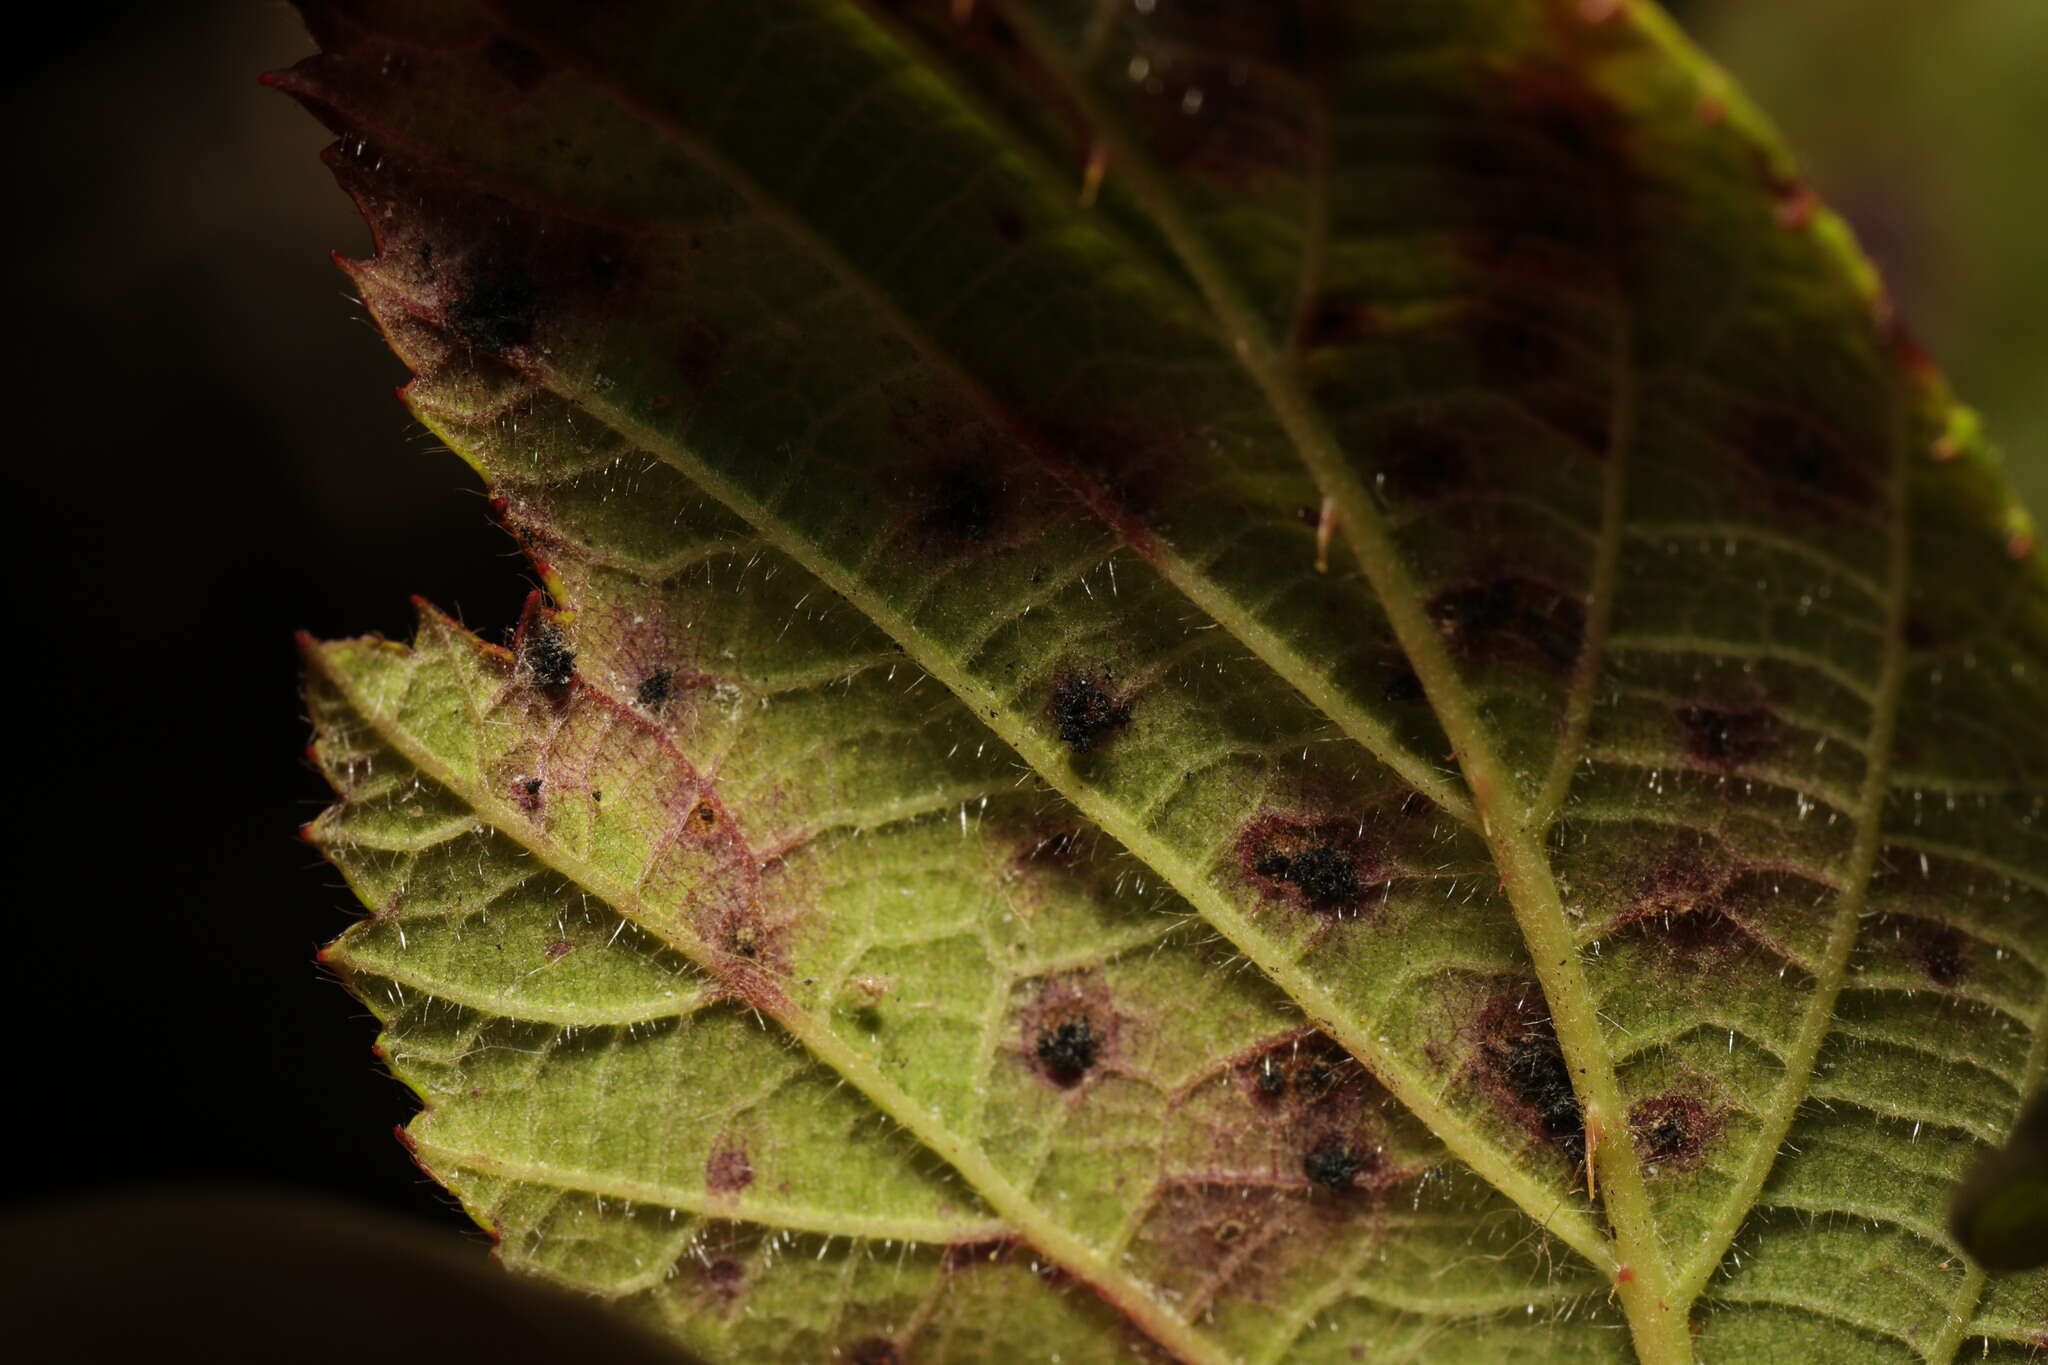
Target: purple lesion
[[1070, 1030], [1511, 617], [1729, 739], [1518, 1059], [1672, 1131], [1329, 866]]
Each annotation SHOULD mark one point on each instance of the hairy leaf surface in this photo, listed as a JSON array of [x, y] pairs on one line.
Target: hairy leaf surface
[[1226, 682]]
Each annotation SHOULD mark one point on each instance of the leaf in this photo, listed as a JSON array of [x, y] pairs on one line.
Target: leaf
[[1252, 683]]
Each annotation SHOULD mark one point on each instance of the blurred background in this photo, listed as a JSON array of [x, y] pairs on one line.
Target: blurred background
[[208, 457]]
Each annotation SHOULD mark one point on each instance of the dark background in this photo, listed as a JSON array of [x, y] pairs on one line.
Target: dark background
[[206, 456]]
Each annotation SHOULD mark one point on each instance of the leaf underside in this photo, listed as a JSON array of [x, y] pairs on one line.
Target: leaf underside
[[1221, 682]]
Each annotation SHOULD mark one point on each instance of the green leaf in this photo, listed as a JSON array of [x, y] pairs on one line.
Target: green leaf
[[1286, 682]]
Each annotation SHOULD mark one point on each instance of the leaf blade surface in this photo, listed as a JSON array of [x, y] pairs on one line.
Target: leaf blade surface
[[1550, 316]]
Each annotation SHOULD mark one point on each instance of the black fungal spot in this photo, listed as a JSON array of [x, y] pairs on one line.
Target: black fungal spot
[[1324, 866], [1068, 1031], [1523, 1058], [1664, 1139], [1943, 953], [653, 692], [704, 814], [1332, 1165], [520, 65], [1511, 619], [1084, 710], [1402, 687], [1536, 1068], [874, 1351], [1316, 1079], [1670, 1131], [1327, 877], [498, 309], [1067, 1050], [1726, 739], [526, 794], [548, 656], [1311, 1076]]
